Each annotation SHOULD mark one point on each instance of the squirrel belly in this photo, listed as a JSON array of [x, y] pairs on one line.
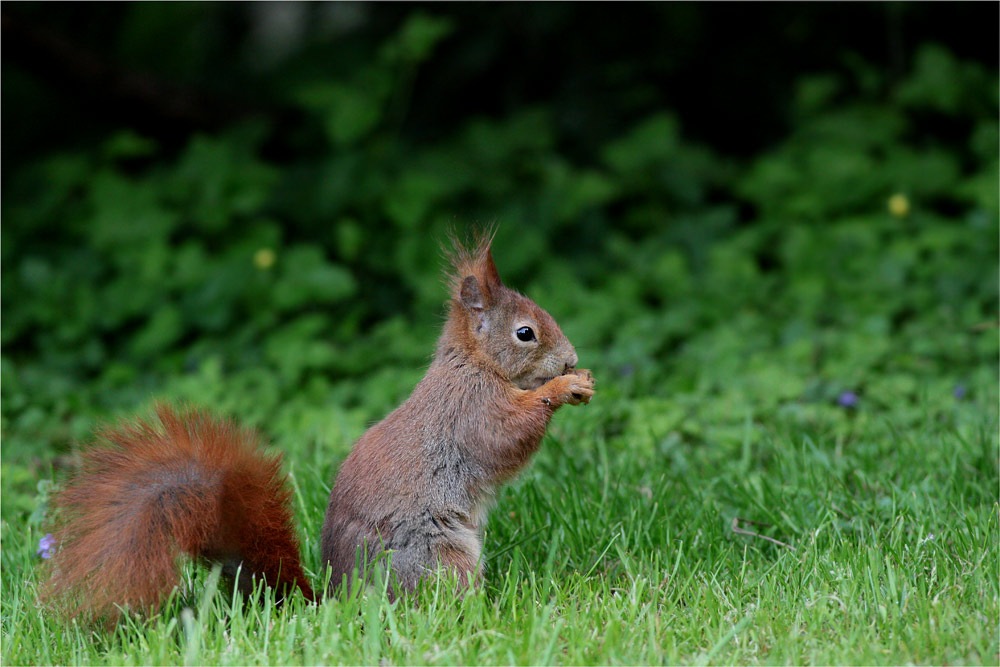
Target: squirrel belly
[[418, 484], [149, 492]]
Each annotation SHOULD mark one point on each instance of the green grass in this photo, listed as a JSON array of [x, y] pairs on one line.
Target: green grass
[[601, 553]]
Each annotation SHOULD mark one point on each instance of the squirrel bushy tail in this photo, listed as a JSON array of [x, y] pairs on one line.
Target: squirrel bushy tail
[[150, 491]]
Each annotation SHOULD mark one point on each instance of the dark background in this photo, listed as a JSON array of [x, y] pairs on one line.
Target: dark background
[[727, 69]]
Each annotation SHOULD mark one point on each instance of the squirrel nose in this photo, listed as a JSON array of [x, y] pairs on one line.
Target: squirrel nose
[[571, 363]]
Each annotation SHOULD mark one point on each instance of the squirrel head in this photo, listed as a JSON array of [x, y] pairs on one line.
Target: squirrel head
[[500, 328]]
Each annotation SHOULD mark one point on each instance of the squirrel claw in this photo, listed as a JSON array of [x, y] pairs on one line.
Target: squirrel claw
[[573, 388]]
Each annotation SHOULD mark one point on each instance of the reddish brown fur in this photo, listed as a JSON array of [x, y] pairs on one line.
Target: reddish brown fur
[[419, 482], [148, 493]]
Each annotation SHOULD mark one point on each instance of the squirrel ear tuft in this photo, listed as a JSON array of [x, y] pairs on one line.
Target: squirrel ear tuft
[[488, 269], [473, 261]]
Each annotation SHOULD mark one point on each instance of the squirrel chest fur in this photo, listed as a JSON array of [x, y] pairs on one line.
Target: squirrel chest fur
[[417, 485]]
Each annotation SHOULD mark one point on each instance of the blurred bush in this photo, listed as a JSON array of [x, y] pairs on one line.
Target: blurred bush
[[289, 270]]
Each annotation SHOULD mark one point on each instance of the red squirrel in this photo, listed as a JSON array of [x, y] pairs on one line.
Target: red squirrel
[[417, 485]]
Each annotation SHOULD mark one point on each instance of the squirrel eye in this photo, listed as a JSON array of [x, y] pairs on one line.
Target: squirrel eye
[[525, 334]]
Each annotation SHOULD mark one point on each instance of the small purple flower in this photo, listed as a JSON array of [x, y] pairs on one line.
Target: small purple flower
[[959, 392], [847, 399], [46, 546]]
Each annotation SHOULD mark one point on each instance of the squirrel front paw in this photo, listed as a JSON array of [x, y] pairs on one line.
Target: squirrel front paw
[[573, 388]]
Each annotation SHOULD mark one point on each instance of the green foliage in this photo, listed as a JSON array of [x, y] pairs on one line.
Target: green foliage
[[723, 305]]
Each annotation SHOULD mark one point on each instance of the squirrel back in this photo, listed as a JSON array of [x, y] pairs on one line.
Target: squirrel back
[[149, 491]]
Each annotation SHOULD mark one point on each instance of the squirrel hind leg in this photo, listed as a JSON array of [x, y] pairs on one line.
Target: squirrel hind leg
[[455, 554], [467, 566]]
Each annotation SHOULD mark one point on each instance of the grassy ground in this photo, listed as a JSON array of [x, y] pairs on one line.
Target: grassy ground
[[883, 550]]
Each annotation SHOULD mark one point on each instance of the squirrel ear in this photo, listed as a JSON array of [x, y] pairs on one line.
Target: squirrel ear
[[471, 297], [470, 294], [475, 261], [490, 274]]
